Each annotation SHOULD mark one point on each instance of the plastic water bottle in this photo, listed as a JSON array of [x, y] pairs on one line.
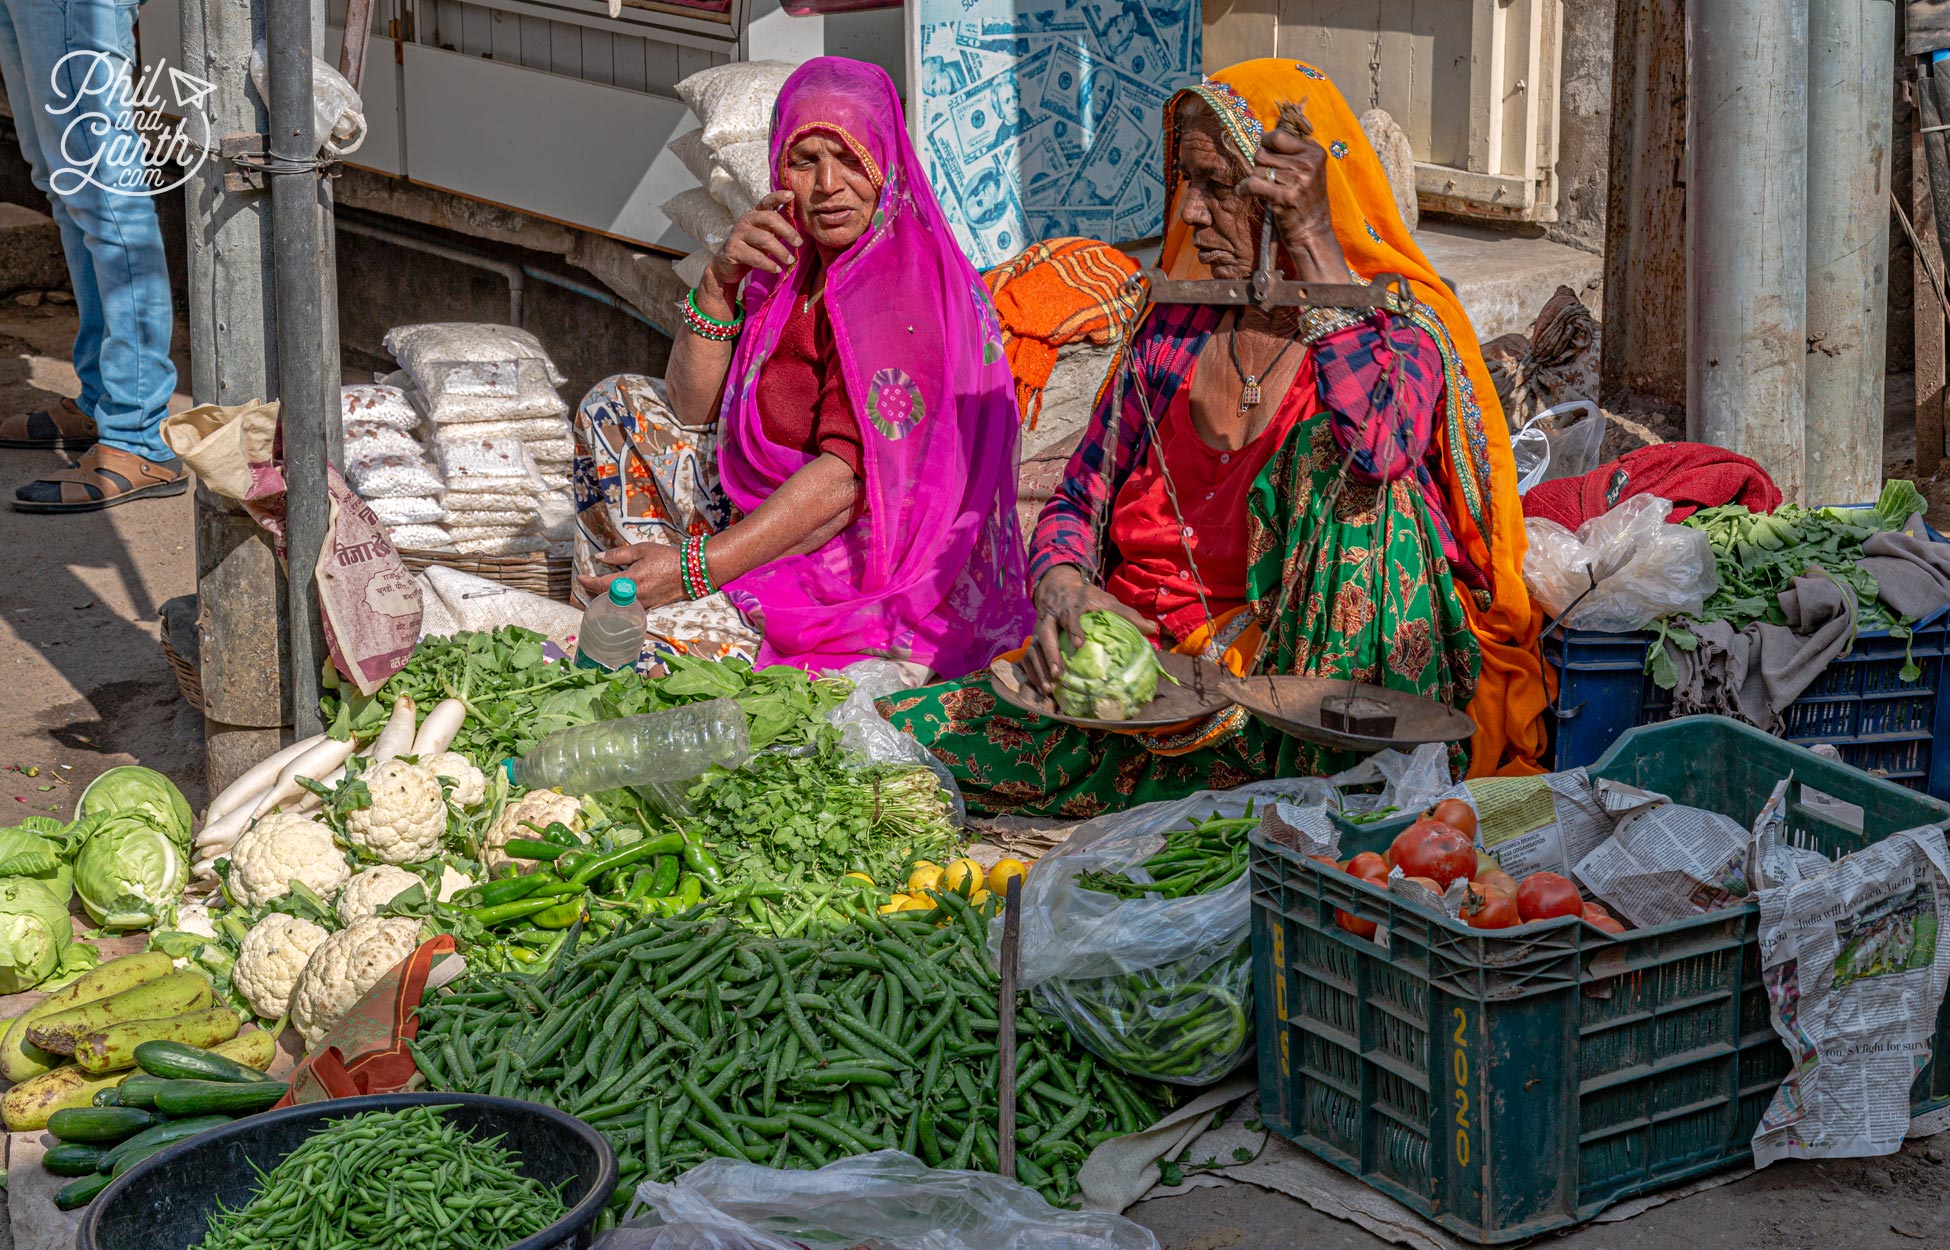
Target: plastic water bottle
[[657, 752], [611, 636]]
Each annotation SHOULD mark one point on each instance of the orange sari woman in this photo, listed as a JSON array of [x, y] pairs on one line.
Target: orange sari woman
[[1406, 566]]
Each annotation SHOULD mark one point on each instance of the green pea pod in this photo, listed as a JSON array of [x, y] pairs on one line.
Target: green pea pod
[[700, 861]]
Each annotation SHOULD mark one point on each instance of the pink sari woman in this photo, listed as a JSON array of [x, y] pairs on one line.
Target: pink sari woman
[[914, 555]]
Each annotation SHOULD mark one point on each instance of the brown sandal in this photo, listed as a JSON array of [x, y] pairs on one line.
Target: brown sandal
[[102, 478], [64, 427]]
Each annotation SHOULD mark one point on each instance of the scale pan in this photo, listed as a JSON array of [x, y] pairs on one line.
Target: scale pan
[[1292, 705], [1201, 691]]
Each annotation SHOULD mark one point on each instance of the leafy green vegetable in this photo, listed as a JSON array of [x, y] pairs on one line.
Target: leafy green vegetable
[[821, 815], [1108, 673], [1757, 555], [515, 697], [129, 873], [133, 789], [36, 937], [25, 852]]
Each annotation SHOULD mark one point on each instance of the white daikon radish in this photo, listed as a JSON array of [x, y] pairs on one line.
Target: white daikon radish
[[246, 790], [216, 838], [317, 762], [396, 738], [438, 730]]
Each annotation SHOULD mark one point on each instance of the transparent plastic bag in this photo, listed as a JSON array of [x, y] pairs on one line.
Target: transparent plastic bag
[[338, 117], [880, 1201], [487, 464], [1160, 987], [1643, 568], [1410, 782], [865, 732], [475, 372], [1546, 451], [408, 510], [375, 403]]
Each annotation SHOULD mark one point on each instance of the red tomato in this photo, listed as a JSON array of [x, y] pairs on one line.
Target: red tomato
[[1457, 815], [1498, 880], [1489, 908], [1596, 915], [1369, 867], [1429, 848], [1546, 896]]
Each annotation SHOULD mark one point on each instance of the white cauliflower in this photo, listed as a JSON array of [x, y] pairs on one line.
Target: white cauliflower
[[195, 918], [539, 808], [470, 783], [345, 966], [372, 889], [272, 959], [282, 848], [407, 818], [452, 882]]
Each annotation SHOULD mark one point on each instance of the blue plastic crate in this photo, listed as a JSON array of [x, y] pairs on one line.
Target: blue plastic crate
[[1861, 706]]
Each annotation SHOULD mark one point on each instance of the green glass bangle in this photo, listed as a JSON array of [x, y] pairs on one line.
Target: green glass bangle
[[738, 316]]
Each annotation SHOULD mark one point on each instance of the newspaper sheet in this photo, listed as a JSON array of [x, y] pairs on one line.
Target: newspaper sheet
[[1536, 824], [1665, 861], [1855, 975]]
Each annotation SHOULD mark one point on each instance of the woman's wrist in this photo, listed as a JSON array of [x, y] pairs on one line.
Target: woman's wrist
[[1317, 256], [714, 299]]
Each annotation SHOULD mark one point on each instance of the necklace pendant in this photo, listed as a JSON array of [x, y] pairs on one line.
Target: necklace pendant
[[1249, 396]]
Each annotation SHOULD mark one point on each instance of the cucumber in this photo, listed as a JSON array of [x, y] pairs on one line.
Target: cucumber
[[73, 1159], [110, 1097], [179, 1062], [134, 1157], [140, 1090], [173, 995], [113, 1048], [159, 1135], [98, 1125], [81, 1191], [219, 1097]]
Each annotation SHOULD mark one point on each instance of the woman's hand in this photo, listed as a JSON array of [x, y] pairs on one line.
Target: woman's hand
[[764, 238], [1062, 597], [1290, 178], [652, 566]]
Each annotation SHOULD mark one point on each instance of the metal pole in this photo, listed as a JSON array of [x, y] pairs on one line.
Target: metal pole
[[302, 373], [1747, 232], [1851, 47], [240, 590]]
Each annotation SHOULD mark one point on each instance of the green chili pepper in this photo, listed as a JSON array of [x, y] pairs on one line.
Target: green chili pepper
[[669, 868], [596, 865], [560, 916], [701, 862], [504, 890], [528, 848]]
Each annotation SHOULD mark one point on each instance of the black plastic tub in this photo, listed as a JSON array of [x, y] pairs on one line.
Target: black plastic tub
[[164, 1203]]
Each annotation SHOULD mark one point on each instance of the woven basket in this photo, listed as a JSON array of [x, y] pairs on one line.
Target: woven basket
[[187, 677], [535, 572]]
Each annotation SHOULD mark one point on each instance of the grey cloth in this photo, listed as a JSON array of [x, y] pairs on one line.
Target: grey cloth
[[1912, 573], [1754, 674]]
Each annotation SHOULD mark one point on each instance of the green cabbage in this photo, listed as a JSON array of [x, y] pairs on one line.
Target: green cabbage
[[36, 936], [129, 873], [133, 789], [1108, 673]]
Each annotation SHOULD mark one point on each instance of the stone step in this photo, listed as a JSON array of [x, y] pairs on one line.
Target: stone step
[[1504, 278], [30, 251]]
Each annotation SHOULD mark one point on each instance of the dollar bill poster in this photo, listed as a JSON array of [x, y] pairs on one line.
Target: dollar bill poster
[[1043, 118]]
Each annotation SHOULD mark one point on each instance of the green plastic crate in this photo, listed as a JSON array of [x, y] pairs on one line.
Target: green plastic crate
[[1506, 1085]]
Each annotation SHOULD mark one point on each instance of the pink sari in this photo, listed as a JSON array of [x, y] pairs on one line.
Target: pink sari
[[933, 570]]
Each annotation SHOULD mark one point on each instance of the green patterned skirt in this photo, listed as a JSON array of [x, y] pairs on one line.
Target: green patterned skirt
[[1010, 762]]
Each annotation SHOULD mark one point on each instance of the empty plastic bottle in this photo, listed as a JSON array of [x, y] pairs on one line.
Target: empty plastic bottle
[[611, 636], [658, 752]]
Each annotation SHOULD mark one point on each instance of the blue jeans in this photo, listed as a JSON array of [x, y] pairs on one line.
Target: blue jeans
[[113, 244]]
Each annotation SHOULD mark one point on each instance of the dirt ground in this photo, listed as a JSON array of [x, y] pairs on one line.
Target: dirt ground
[[86, 688]]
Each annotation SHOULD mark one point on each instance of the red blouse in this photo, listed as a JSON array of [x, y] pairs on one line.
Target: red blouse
[[1212, 483], [801, 393]]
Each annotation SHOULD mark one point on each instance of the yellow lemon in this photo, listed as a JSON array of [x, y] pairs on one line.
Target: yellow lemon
[[1004, 870], [961, 876], [861, 877], [889, 908], [979, 898], [926, 876], [917, 904]]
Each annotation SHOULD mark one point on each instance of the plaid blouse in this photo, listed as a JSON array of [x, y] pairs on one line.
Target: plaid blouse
[[1355, 373]]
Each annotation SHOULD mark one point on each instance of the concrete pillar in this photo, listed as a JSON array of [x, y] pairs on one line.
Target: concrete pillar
[[1747, 232], [1851, 46]]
